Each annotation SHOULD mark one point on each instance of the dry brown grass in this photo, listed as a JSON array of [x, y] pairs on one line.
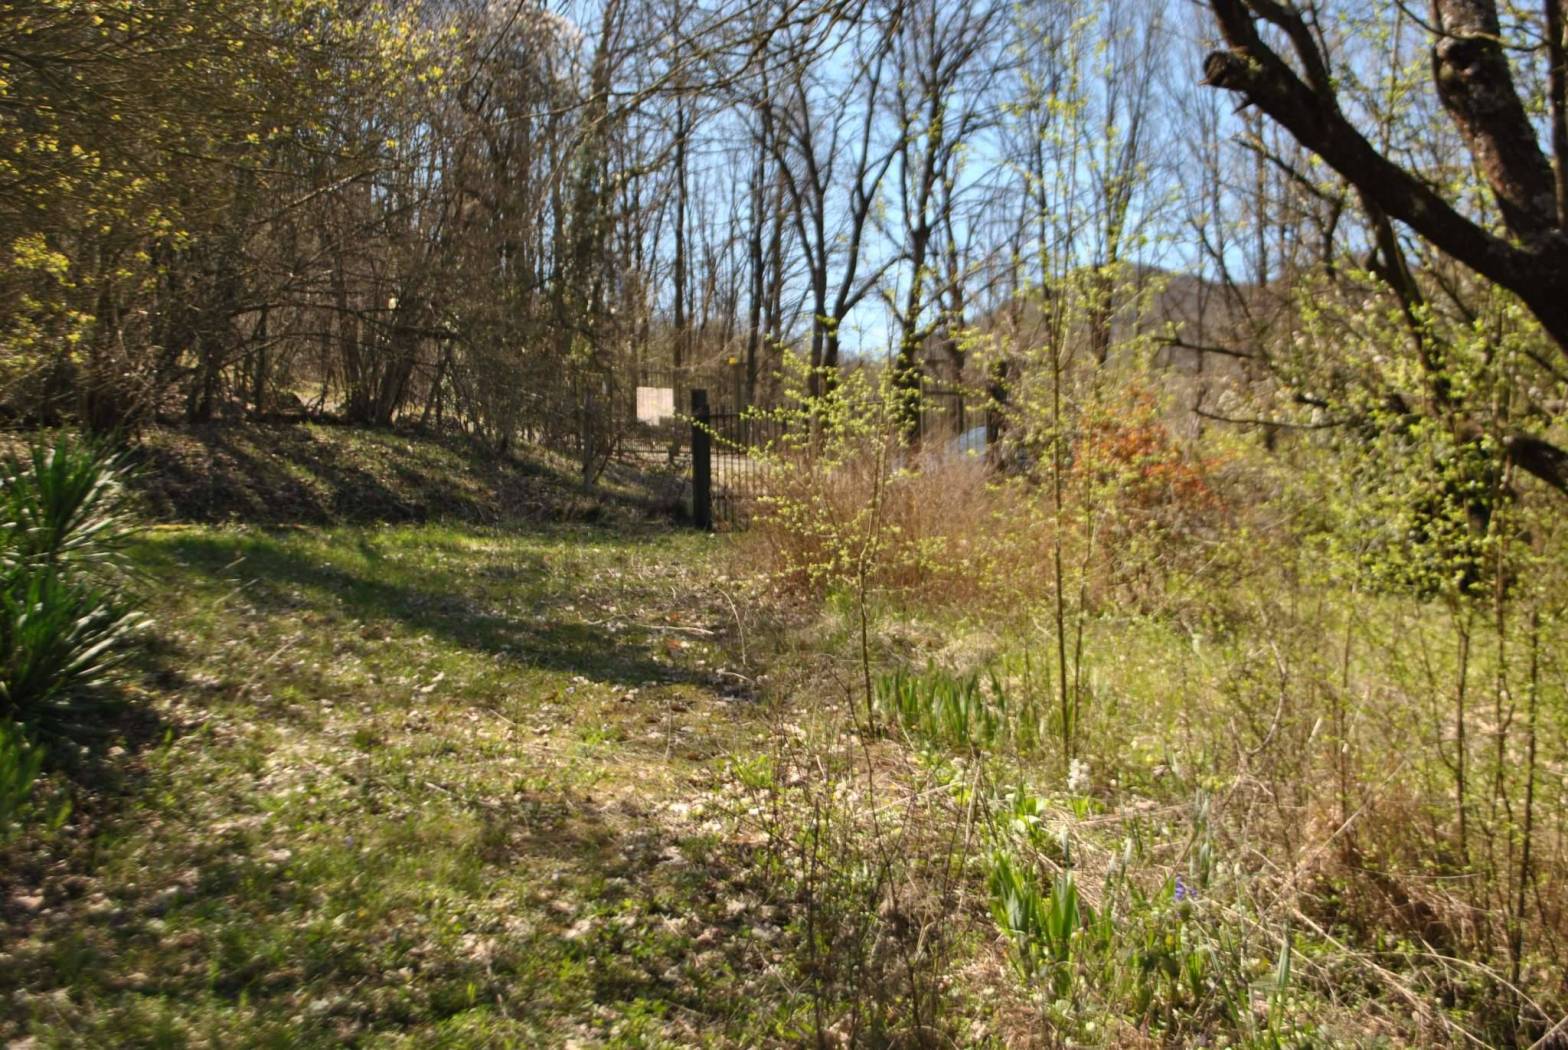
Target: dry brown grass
[[936, 527]]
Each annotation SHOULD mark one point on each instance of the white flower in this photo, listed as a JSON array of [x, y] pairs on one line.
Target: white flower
[[1077, 777]]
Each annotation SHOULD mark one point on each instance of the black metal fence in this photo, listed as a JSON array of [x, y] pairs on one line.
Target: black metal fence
[[946, 418], [728, 474]]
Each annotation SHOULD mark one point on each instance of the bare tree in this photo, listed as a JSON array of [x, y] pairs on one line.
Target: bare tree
[[947, 60], [832, 157]]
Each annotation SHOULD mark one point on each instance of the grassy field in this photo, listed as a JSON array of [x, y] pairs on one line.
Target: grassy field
[[409, 786]]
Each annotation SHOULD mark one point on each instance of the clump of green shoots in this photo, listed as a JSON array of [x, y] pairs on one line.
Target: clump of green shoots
[[969, 712]]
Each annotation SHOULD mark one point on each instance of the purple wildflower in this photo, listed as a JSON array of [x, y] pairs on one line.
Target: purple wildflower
[[1182, 892]]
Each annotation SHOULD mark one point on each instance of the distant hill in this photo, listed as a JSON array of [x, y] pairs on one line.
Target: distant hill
[[1202, 331]]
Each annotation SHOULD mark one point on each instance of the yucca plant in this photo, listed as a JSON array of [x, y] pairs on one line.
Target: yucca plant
[[60, 640], [64, 506], [63, 629]]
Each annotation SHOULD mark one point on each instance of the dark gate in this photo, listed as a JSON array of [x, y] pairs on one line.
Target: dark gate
[[728, 475]]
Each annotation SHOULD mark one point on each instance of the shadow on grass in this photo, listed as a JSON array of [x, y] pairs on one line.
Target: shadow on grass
[[283, 474], [214, 473], [442, 604]]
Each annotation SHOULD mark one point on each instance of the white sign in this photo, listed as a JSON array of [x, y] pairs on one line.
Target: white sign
[[655, 404]]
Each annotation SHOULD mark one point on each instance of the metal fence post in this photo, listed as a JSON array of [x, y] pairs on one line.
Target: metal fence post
[[701, 462]]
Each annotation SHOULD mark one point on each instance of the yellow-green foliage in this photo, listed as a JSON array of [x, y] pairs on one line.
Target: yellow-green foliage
[[151, 127]]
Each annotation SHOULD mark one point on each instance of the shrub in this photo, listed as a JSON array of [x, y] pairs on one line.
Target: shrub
[[851, 502]]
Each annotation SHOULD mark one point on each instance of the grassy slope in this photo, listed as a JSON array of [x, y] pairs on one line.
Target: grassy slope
[[316, 475], [466, 784]]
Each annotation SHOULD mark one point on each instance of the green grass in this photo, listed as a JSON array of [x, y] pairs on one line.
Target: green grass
[[408, 787]]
